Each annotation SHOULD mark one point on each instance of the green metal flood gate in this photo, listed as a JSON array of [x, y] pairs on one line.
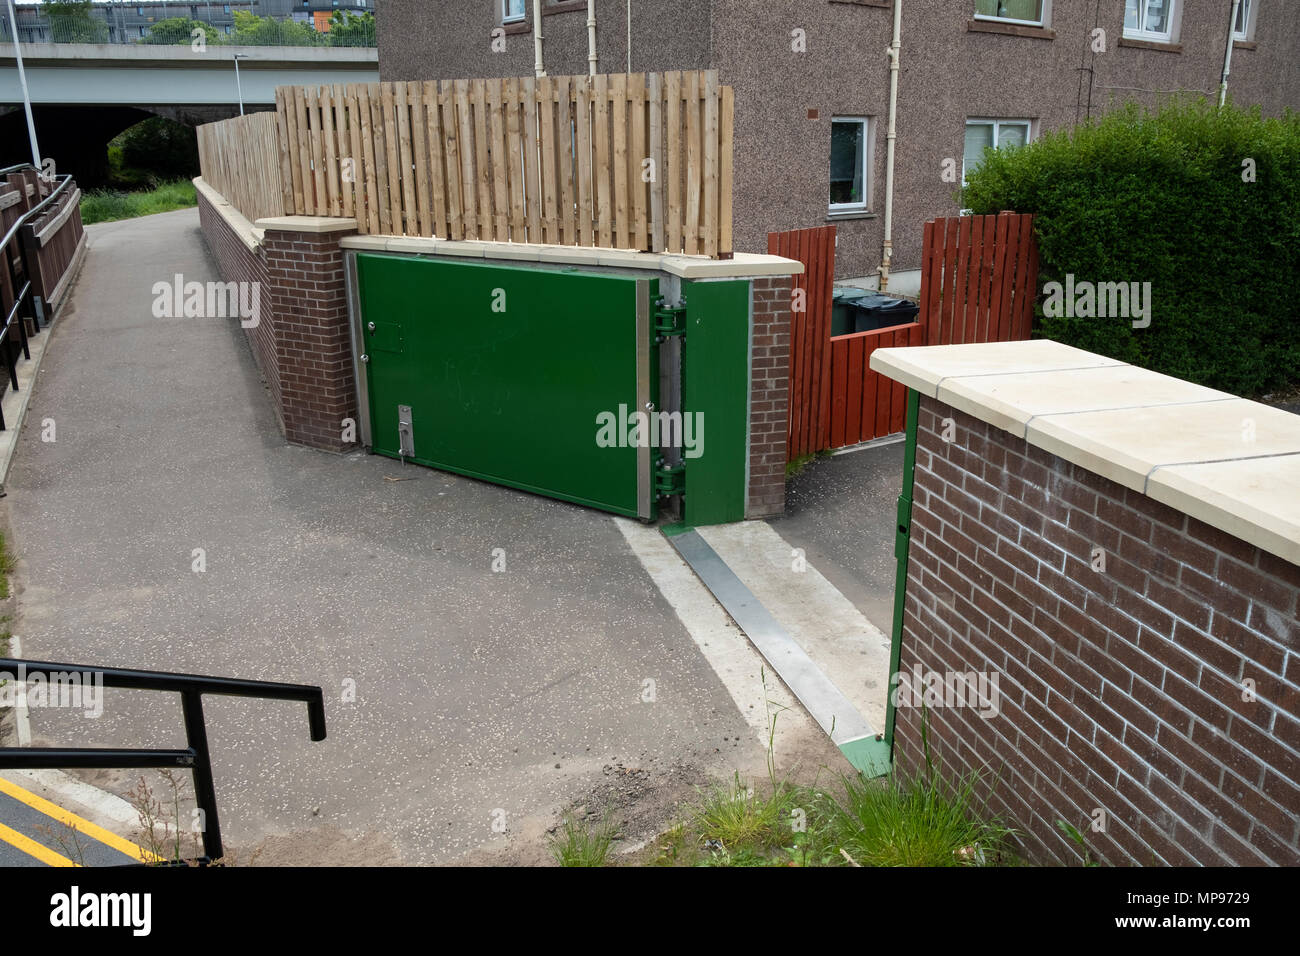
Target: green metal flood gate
[[549, 380]]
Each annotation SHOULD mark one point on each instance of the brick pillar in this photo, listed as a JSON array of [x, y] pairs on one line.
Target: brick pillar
[[769, 397], [312, 341]]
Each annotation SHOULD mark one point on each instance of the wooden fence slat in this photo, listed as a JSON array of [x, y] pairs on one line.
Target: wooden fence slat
[[638, 153], [451, 147], [586, 210], [356, 188], [549, 165], [711, 163], [565, 133], [291, 185], [371, 222], [307, 205], [465, 140], [532, 161], [694, 163], [482, 159], [655, 120], [330, 109], [380, 150], [420, 157], [673, 158], [600, 133], [996, 327], [618, 119], [514, 160], [947, 301], [727, 171], [500, 175]]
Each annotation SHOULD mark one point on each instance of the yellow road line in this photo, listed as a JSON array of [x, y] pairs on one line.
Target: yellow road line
[[91, 830], [32, 848]]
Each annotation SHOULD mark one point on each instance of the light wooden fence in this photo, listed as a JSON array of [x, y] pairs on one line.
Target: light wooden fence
[[630, 161], [239, 158]]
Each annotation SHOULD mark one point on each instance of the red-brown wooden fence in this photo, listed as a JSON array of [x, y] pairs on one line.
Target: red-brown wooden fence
[[978, 283], [979, 276], [810, 335]]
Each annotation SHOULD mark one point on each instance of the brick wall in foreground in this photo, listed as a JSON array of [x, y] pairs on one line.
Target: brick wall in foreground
[[1122, 690], [769, 397], [313, 344]]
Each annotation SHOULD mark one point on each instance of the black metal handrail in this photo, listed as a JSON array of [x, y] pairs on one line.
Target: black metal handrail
[[23, 292], [194, 757]]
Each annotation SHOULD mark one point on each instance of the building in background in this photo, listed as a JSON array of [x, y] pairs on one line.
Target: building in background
[[812, 83]]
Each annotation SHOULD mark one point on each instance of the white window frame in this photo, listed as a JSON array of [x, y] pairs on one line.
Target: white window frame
[[1141, 33], [1043, 19], [851, 208], [506, 16], [997, 124], [1248, 21]]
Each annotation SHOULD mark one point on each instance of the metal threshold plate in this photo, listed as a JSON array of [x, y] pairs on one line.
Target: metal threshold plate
[[833, 712]]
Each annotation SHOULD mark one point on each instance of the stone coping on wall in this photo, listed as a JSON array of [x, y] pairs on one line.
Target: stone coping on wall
[[249, 234], [743, 265], [1232, 463]]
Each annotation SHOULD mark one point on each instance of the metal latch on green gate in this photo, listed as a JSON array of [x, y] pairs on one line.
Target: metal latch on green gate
[[669, 319]]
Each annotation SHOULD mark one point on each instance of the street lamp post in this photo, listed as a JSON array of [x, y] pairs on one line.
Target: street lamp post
[[22, 81], [238, 85]]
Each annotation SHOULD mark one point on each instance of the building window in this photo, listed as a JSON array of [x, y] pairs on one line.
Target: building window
[[227, 29], [1149, 20], [982, 134], [143, 30], [225, 8], [1244, 28], [1029, 12], [849, 172], [512, 11]]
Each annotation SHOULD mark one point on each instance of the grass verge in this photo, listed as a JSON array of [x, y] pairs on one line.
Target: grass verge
[[107, 205]]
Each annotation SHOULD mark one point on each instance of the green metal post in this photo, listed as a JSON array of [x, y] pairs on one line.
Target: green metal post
[[902, 539]]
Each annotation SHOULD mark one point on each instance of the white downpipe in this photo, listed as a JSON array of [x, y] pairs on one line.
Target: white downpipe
[[894, 47], [539, 68], [22, 81], [591, 37], [1227, 56]]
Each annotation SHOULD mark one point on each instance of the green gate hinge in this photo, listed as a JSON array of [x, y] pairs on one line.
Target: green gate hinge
[[669, 319], [669, 479]]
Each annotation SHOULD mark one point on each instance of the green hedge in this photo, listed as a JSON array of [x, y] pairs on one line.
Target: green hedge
[[1162, 197]]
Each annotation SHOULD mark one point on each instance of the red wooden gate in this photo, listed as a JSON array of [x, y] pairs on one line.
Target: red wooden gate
[[810, 336], [978, 283]]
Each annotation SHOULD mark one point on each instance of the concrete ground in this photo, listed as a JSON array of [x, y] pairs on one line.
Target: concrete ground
[[840, 509], [483, 699]]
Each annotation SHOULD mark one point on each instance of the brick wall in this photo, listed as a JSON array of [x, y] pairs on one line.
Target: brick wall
[[313, 346], [1120, 690], [237, 263], [769, 397], [302, 342]]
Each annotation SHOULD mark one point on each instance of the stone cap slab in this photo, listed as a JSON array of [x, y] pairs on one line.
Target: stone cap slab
[[1227, 461], [310, 224], [743, 265], [250, 235]]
